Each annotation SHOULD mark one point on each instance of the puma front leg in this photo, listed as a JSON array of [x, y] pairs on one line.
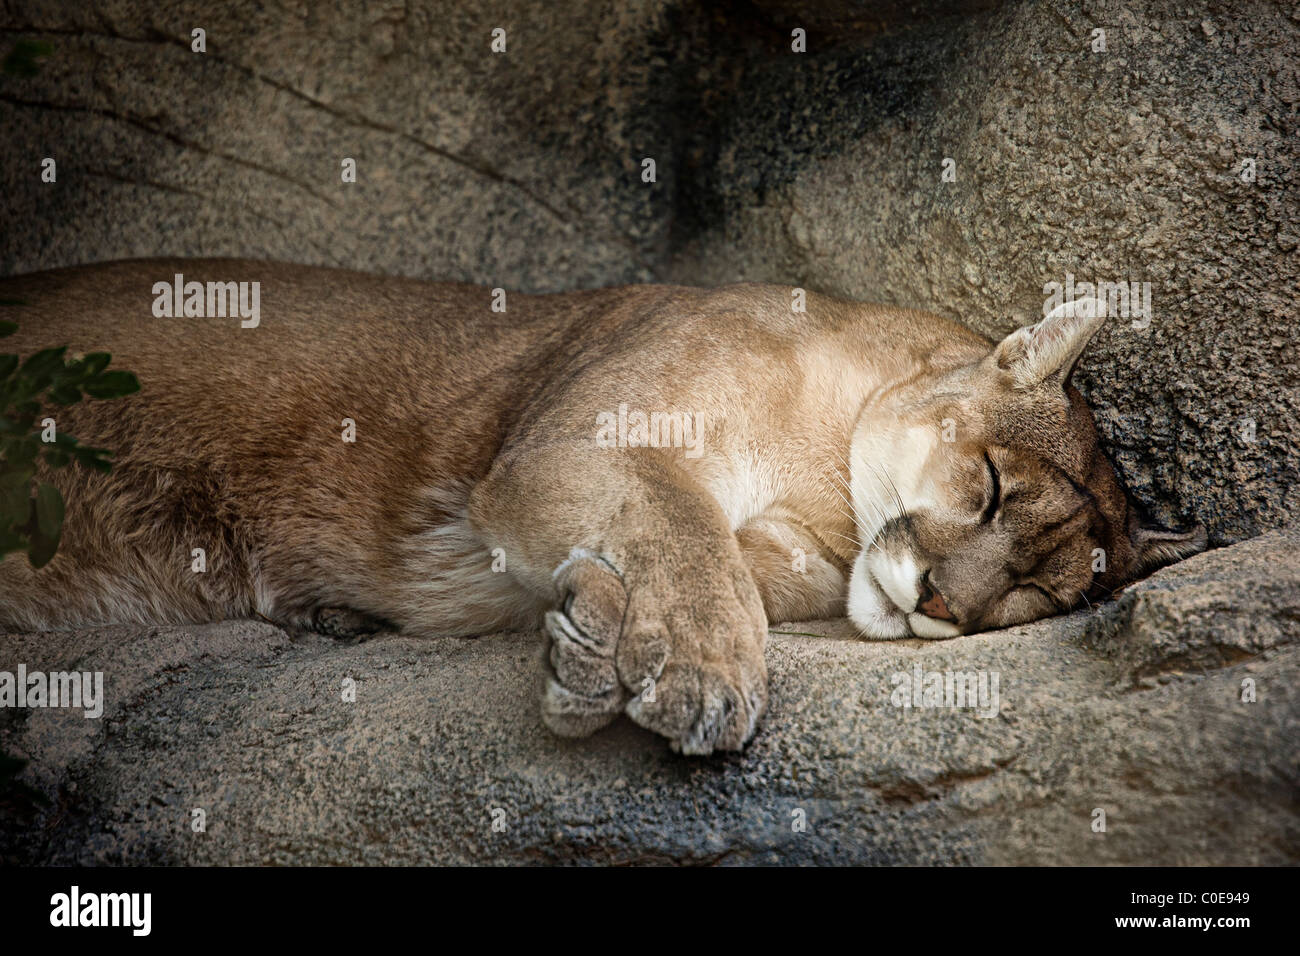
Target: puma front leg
[[799, 577], [655, 614]]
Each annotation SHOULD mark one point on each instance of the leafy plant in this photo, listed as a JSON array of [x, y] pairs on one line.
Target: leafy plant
[[31, 512]]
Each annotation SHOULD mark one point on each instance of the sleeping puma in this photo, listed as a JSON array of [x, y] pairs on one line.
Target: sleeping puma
[[654, 472]]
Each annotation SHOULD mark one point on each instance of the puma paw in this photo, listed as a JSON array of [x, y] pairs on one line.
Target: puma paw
[[701, 709], [696, 665], [583, 692], [345, 623], [690, 669]]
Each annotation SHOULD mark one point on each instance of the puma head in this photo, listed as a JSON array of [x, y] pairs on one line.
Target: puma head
[[983, 500]]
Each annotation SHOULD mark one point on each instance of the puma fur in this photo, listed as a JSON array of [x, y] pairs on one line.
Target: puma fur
[[862, 459]]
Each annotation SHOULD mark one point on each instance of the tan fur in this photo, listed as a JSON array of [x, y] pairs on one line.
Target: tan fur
[[476, 442]]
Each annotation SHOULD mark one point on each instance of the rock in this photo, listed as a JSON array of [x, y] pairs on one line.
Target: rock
[[249, 726], [1206, 613]]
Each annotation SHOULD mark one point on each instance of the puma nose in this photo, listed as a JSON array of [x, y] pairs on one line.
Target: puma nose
[[931, 603]]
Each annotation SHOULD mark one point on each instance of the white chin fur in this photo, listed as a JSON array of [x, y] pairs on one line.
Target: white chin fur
[[870, 609], [928, 627], [876, 607]]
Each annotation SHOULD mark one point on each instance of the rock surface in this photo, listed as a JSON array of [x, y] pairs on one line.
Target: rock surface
[[1135, 708]]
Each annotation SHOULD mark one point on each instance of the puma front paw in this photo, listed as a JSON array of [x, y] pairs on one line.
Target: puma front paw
[[583, 691], [686, 663]]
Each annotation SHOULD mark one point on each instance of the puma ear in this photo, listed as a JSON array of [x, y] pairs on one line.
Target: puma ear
[[1155, 547], [1049, 350]]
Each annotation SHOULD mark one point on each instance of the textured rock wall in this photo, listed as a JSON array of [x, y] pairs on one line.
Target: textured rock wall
[[822, 169], [511, 168]]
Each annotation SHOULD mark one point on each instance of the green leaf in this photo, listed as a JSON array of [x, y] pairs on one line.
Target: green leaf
[[43, 363], [19, 456], [14, 503], [33, 523], [25, 415], [20, 453], [96, 458], [7, 327], [16, 476], [65, 394], [112, 385], [42, 549], [96, 362], [11, 541], [49, 511]]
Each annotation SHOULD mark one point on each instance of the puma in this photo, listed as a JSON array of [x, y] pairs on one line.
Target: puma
[[875, 461]]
